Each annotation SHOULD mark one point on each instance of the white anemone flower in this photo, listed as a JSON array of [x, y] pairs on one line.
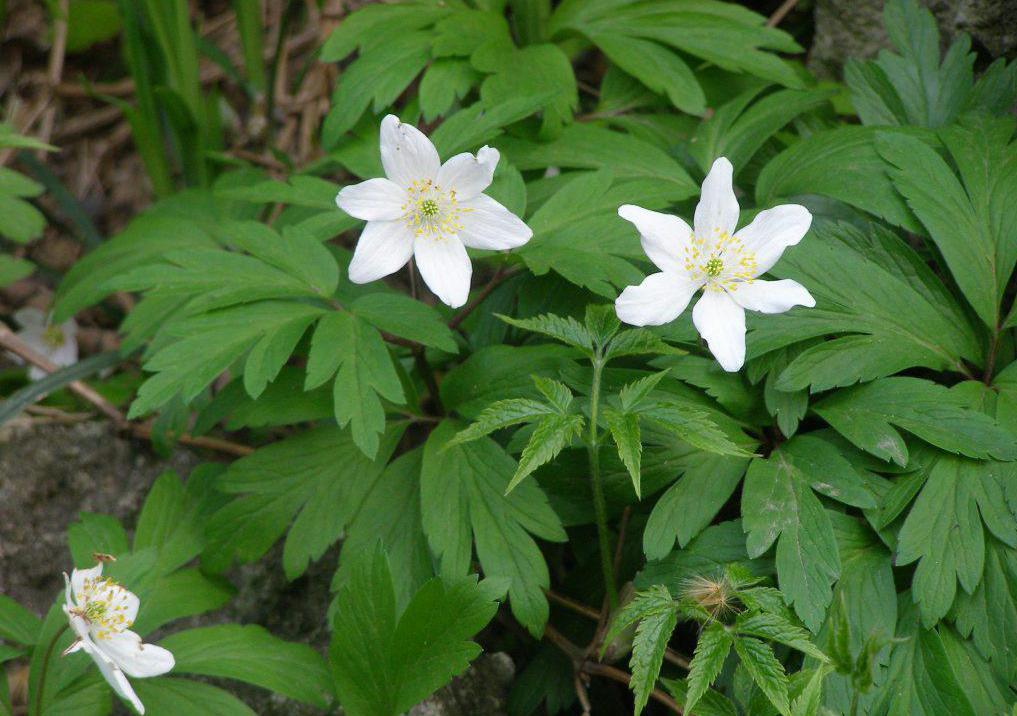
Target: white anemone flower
[[429, 211], [101, 613], [58, 343], [725, 263]]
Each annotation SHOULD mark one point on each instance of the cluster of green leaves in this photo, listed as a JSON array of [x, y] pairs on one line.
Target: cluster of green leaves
[[22, 222]]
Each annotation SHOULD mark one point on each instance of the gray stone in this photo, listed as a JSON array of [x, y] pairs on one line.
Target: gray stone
[[482, 690], [854, 29]]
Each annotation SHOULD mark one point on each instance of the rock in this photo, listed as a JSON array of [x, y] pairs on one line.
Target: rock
[[48, 474], [482, 690], [854, 29]]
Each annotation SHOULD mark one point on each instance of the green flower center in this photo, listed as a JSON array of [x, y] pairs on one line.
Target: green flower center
[[713, 267], [429, 208], [95, 611], [53, 336]]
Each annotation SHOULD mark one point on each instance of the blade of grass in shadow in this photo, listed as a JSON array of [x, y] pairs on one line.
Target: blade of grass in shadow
[[34, 392], [144, 119], [252, 40], [71, 207]]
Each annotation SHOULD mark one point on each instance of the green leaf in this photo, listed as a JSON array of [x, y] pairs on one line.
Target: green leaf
[[691, 503], [22, 221], [563, 328], [655, 66], [385, 661], [866, 414], [296, 190], [17, 401], [638, 341], [463, 499], [390, 514], [404, 317], [759, 660], [943, 532], [316, 479], [964, 217], [692, 425], [17, 624], [774, 627], [648, 647], [919, 680], [634, 393], [988, 615], [345, 343], [624, 429], [551, 435], [13, 269], [502, 414], [556, 392], [712, 648], [808, 701], [444, 81], [95, 533], [167, 695], [778, 505], [902, 316], [251, 654], [841, 163], [740, 127]]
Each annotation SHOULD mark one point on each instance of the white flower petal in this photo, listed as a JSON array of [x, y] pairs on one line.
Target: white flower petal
[[772, 296], [489, 225], [445, 268], [30, 317], [406, 153], [383, 249], [373, 200], [134, 658], [774, 230], [659, 299], [664, 237], [116, 679], [717, 212], [78, 577], [468, 175], [721, 322]]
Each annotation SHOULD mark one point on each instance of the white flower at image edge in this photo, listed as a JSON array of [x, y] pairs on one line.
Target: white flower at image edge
[[101, 613], [58, 343], [429, 211], [725, 263]]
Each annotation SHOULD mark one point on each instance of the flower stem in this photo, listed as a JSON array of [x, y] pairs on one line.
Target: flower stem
[[37, 696], [599, 504]]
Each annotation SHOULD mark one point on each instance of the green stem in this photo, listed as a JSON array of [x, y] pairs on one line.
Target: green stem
[[599, 503], [37, 697]]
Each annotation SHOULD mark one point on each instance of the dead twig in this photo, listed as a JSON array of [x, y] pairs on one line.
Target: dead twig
[[499, 277], [781, 12], [10, 341]]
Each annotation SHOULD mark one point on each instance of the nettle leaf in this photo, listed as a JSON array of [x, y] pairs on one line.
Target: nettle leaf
[[880, 317], [693, 425], [562, 328], [253, 655], [648, 647], [866, 415], [943, 532], [386, 659], [503, 414], [762, 665], [712, 648], [317, 480], [346, 346], [463, 501], [967, 218], [778, 505], [841, 163], [624, 428], [774, 627], [638, 341], [550, 436]]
